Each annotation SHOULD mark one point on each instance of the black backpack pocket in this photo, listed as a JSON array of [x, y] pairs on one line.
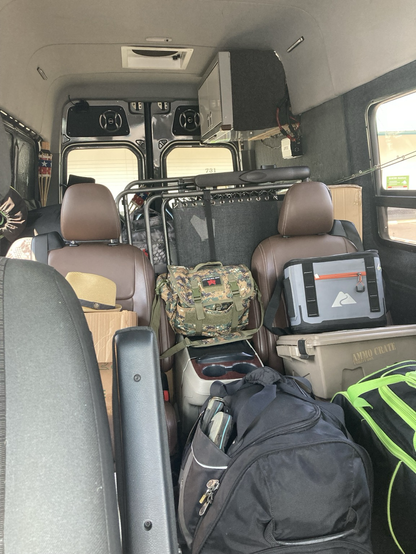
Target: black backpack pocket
[[203, 463]]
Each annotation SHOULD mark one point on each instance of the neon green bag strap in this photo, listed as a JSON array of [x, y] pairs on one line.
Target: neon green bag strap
[[355, 391], [403, 410], [360, 404], [389, 494]]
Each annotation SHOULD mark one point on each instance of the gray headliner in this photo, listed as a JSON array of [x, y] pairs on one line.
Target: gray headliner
[[77, 44]]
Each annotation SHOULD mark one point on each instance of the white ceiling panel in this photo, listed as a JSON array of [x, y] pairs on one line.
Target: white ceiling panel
[[347, 43]]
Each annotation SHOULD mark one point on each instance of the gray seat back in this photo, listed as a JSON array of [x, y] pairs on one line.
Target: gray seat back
[[58, 466]]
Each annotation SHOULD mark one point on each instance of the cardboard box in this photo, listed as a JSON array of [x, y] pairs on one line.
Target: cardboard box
[[348, 204], [103, 326]]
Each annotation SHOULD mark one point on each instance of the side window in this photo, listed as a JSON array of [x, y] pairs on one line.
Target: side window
[[114, 167], [189, 160], [393, 134]]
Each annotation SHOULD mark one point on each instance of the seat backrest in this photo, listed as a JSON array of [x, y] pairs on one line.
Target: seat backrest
[[91, 224], [306, 218], [58, 471]]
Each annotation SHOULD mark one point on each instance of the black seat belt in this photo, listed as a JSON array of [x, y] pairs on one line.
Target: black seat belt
[[210, 225]]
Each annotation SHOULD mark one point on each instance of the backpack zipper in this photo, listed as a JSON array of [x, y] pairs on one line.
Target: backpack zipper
[[208, 497]]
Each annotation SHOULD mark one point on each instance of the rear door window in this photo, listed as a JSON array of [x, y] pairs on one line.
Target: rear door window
[[190, 160], [114, 167]]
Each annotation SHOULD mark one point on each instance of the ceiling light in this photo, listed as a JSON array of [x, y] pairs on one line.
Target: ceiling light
[[158, 39], [147, 57]]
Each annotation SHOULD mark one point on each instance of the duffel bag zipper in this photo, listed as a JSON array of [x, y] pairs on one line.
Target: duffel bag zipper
[[246, 468], [208, 497]]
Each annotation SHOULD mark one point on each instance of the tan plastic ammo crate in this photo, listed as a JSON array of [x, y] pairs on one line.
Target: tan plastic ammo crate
[[334, 361]]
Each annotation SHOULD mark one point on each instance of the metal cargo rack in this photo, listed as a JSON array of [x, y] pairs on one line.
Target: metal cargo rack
[[217, 187]]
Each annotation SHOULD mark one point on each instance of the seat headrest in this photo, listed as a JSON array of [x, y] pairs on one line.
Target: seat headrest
[[307, 210], [5, 164], [89, 213]]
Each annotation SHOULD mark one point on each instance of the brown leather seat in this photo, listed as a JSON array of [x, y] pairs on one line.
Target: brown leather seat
[[91, 223], [306, 218]]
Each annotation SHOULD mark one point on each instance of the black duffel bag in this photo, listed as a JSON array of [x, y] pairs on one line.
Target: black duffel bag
[[269, 469]]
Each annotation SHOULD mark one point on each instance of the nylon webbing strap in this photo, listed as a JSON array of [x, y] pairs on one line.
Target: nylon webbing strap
[[210, 225], [2, 409], [271, 311], [237, 304], [199, 309]]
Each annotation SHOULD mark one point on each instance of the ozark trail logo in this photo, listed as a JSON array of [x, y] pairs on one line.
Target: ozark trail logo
[[343, 299]]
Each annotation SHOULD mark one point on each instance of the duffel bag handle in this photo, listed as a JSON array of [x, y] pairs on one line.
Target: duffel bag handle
[[260, 376], [205, 264]]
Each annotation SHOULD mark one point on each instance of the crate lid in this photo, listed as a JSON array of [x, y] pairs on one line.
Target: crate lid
[[343, 337]]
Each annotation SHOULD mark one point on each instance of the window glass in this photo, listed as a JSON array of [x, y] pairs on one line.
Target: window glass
[[113, 167], [396, 134], [401, 225], [395, 124], [183, 161]]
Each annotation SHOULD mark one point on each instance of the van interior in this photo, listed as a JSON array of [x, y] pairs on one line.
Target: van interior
[[140, 136]]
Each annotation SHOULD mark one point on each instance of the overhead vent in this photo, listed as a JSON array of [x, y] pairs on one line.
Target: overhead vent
[[144, 57]]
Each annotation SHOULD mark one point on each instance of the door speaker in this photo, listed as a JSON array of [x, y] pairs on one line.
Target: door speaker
[[187, 121], [96, 121]]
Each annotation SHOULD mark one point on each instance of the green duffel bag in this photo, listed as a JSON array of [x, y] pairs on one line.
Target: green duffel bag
[[209, 300], [380, 414]]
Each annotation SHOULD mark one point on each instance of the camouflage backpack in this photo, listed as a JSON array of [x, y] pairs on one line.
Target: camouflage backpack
[[210, 300]]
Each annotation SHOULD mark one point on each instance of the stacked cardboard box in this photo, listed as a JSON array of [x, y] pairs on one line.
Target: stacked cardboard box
[[103, 326]]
